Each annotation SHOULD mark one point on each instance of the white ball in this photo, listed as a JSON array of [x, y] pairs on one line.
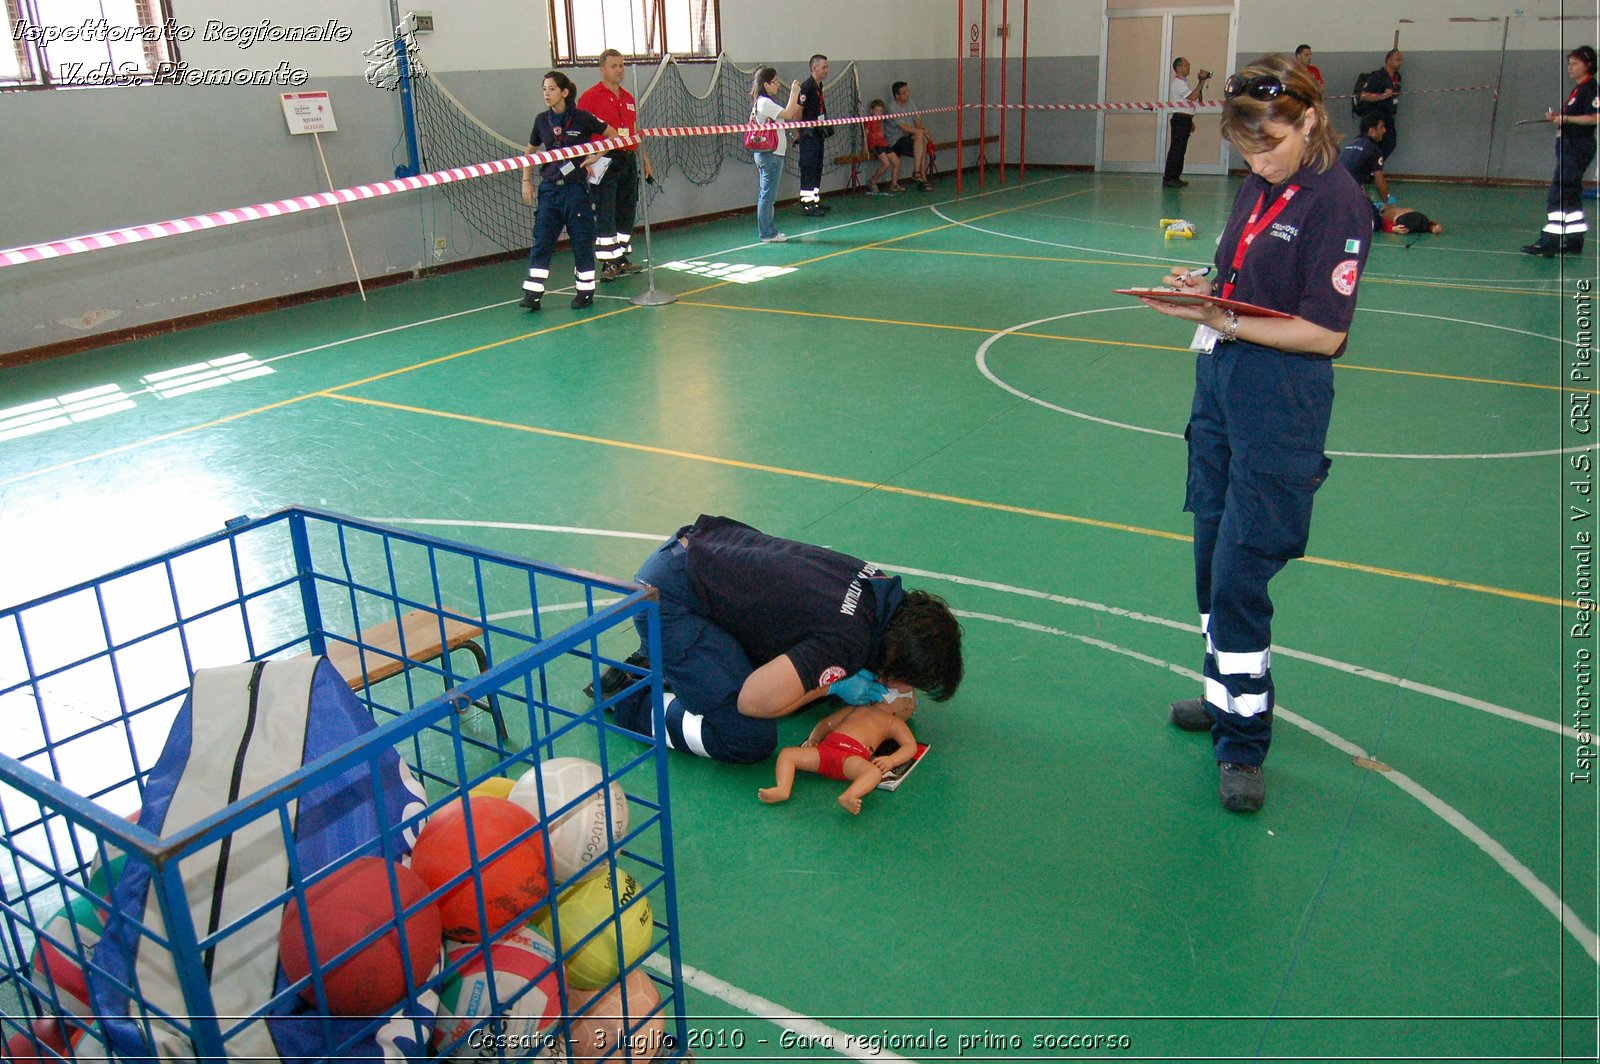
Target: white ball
[[578, 838], [521, 959]]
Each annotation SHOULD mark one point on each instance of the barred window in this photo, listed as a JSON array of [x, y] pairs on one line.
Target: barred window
[[73, 43], [640, 29]]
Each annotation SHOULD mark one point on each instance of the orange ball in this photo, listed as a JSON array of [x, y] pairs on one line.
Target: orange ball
[[600, 1025], [345, 907], [510, 884]]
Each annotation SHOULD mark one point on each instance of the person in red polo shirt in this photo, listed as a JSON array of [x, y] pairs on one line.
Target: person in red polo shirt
[[616, 197]]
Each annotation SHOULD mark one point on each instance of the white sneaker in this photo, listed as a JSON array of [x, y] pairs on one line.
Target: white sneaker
[[776, 238]]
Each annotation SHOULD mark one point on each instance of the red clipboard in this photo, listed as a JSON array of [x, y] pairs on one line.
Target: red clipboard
[[1194, 299]]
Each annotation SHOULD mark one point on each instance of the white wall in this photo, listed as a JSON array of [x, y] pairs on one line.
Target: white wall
[[108, 157], [1424, 25]]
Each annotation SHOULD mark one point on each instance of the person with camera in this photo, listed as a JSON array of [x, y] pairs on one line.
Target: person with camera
[[1181, 123]]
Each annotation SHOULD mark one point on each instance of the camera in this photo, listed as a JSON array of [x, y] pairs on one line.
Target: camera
[[1205, 75]]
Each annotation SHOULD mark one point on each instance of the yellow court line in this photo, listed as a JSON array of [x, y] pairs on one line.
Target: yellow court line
[[214, 422], [1120, 343], [930, 325], [1158, 266], [933, 496]]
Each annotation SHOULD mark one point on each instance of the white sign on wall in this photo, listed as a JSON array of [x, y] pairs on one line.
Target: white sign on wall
[[308, 112]]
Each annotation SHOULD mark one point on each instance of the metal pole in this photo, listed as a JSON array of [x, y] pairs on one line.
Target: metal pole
[[1005, 49], [339, 213], [651, 296], [961, 70], [983, 90], [1494, 111], [1022, 145]]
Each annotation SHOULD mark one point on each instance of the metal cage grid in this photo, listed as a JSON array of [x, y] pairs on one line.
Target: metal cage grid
[[91, 678]]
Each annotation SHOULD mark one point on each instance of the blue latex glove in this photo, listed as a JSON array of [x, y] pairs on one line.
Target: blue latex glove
[[862, 689], [1377, 204], [1392, 201]]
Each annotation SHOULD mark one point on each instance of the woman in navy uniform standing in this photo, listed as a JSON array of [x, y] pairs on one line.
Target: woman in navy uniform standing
[[564, 201], [1575, 122], [1296, 242]]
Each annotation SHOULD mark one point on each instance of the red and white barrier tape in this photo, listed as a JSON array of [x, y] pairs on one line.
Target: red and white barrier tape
[[195, 223], [55, 249]]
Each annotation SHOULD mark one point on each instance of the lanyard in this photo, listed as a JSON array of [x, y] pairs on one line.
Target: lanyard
[[1253, 229], [1573, 95]]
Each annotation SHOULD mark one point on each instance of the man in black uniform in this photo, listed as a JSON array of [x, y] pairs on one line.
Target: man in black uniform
[[810, 141], [1380, 94], [754, 627], [1363, 158]]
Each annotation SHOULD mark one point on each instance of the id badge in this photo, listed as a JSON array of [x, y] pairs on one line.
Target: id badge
[[1205, 339]]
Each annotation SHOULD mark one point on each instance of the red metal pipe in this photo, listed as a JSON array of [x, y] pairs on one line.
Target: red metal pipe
[[983, 91], [961, 69], [1022, 146], [1005, 48]]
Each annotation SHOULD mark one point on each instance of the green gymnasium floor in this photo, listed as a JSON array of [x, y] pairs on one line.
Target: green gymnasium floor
[[947, 385]]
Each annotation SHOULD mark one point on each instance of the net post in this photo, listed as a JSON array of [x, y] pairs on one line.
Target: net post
[[651, 296], [413, 164]]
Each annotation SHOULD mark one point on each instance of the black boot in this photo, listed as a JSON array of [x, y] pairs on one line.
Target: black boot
[[582, 299], [1546, 246], [529, 301], [1572, 244]]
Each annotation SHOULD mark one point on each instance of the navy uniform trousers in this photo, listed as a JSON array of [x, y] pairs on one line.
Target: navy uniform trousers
[[616, 205], [703, 664], [1256, 434], [565, 205], [1564, 201]]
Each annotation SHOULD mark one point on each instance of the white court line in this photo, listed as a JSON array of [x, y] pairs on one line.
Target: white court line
[[1524, 875], [982, 359], [841, 1043], [1063, 600], [930, 204]]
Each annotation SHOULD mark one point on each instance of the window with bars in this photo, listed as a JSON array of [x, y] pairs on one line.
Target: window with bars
[[75, 43], [640, 29]]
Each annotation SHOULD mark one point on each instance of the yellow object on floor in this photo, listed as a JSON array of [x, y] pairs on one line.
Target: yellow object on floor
[[1178, 228]]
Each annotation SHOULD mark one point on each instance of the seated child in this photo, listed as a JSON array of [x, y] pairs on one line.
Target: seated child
[[841, 745], [878, 148]]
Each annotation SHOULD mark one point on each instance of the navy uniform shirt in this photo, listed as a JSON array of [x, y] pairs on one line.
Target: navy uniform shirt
[[1584, 99], [1362, 157], [812, 108], [1308, 261], [571, 126], [826, 611], [1378, 81]]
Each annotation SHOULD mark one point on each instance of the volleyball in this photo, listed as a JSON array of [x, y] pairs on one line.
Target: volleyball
[[578, 837], [521, 960], [509, 884], [59, 954], [600, 1023], [345, 907], [592, 904]]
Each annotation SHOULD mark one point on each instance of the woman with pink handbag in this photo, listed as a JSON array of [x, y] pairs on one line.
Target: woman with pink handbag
[[769, 146]]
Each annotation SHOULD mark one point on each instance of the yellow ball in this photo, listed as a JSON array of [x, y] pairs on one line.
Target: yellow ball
[[495, 787], [593, 904]]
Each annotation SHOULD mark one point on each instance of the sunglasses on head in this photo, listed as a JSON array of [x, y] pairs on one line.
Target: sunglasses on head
[[1263, 87]]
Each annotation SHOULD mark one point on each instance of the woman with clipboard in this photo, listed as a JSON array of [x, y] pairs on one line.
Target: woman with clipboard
[[1287, 268]]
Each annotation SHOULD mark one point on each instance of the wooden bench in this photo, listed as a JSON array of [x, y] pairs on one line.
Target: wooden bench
[[419, 632]]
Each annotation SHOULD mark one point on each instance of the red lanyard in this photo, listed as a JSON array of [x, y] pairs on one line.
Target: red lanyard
[[1253, 229], [1573, 95]]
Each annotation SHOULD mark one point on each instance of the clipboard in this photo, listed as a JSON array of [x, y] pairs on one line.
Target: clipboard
[[1193, 299]]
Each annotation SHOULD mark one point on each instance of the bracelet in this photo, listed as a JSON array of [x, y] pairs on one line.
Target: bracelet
[[1230, 326]]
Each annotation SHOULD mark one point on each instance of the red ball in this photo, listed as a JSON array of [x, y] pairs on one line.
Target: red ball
[[347, 906], [511, 884], [51, 1032]]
